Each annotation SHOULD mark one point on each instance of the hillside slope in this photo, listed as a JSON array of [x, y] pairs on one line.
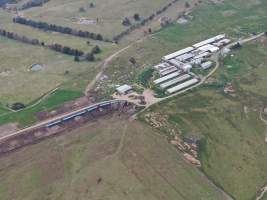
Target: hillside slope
[[110, 159]]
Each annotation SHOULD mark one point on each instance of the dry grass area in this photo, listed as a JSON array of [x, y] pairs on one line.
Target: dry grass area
[[20, 84], [109, 13], [112, 158]]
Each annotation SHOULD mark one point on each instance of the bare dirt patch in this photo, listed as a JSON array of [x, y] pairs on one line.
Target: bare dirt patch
[[8, 128]]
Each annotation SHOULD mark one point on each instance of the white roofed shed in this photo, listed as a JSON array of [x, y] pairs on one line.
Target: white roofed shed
[[206, 65], [178, 53], [182, 86], [124, 89], [168, 77], [209, 41]]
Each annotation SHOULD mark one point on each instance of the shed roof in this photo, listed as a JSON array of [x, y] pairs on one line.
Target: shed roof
[[124, 88], [209, 41], [178, 53]]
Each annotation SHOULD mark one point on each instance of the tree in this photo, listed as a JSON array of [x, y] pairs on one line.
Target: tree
[[187, 5], [81, 9], [91, 5], [96, 50], [76, 58], [18, 106], [90, 56], [132, 60], [126, 22], [136, 17]]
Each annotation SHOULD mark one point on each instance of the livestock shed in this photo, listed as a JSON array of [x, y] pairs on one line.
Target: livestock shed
[[175, 81], [186, 67], [222, 42], [161, 66], [168, 71], [206, 65], [209, 48], [185, 57], [209, 41], [178, 53], [166, 78], [124, 89], [202, 55], [176, 63], [182, 86]]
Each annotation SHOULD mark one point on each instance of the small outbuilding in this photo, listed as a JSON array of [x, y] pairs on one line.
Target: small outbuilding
[[124, 89], [206, 65]]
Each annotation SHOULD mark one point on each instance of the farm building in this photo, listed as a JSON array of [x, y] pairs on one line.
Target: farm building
[[209, 41], [206, 65], [167, 71], [176, 63], [166, 78], [209, 48], [185, 57], [202, 55], [161, 66], [175, 81], [196, 61], [222, 42], [178, 53], [182, 86], [186, 67], [124, 89]]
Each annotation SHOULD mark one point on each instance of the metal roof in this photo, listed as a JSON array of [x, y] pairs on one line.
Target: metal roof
[[209, 41], [206, 65], [175, 81], [165, 78], [182, 86], [123, 88], [178, 53]]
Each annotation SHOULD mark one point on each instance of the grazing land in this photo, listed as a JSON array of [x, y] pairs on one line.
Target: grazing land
[[207, 19], [60, 70], [20, 84], [232, 135], [74, 166], [223, 114], [104, 17]]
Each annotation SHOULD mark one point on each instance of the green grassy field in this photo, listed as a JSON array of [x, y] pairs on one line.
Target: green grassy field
[[108, 159], [233, 148], [233, 17], [20, 84], [28, 115], [16, 79], [109, 13]]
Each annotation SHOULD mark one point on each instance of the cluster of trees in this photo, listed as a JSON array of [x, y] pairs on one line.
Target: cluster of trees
[[91, 55], [66, 50], [4, 2], [142, 22], [17, 106], [33, 3], [52, 27], [78, 54], [17, 37], [126, 21]]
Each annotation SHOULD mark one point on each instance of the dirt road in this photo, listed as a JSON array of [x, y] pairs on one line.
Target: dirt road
[[45, 122], [215, 58], [103, 65]]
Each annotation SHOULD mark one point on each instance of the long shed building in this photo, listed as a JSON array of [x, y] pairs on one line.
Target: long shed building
[[209, 41], [178, 53], [182, 86], [166, 78], [175, 81]]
